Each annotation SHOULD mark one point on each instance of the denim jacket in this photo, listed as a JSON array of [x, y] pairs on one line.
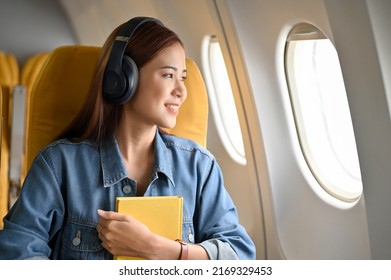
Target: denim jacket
[[55, 216]]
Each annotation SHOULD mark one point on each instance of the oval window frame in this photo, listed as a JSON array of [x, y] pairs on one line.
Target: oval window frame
[[222, 100], [304, 34]]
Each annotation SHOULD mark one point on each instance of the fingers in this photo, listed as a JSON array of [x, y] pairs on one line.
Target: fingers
[[110, 215], [103, 222], [105, 214], [106, 218]]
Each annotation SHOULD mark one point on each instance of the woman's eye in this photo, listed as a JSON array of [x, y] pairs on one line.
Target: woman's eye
[[183, 78], [168, 76]]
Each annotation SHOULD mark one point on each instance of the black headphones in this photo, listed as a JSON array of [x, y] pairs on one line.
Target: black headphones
[[121, 74]]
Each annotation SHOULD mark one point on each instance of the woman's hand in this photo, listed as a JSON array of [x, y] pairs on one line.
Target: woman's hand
[[123, 235]]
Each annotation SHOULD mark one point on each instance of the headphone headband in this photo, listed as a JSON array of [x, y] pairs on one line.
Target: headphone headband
[[121, 74]]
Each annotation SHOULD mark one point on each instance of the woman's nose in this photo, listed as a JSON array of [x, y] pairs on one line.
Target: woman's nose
[[180, 90]]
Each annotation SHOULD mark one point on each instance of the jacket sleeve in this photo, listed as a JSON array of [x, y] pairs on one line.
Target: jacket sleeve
[[222, 236], [35, 217]]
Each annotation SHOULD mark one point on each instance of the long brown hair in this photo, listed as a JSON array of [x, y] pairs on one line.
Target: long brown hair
[[98, 117]]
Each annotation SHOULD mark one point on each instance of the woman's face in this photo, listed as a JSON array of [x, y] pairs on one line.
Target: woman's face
[[161, 89]]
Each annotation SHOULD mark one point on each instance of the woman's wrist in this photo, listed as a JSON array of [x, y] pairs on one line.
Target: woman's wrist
[[184, 250], [161, 248]]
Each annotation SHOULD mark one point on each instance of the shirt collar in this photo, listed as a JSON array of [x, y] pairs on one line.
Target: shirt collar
[[114, 169]]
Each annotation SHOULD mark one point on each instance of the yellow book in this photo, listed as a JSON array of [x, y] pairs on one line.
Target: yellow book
[[161, 214]]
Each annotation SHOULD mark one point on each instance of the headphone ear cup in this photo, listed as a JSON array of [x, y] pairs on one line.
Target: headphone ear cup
[[130, 72], [120, 78]]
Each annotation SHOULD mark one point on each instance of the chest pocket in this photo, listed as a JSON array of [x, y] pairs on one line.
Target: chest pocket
[[80, 241]]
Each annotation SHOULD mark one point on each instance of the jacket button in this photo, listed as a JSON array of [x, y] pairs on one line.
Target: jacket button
[[127, 189], [76, 241]]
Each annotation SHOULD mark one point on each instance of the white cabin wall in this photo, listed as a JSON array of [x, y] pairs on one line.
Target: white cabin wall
[[380, 225], [301, 220], [362, 38], [93, 20], [379, 13]]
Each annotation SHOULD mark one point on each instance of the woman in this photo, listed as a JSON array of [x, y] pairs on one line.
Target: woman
[[115, 147]]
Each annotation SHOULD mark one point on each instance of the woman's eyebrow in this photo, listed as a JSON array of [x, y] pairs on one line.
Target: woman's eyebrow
[[173, 68]]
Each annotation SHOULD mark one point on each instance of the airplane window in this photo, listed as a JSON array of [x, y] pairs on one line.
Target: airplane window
[[222, 101], [322, 112]]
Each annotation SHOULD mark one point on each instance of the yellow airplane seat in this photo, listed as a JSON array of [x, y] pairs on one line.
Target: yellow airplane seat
[[56, 96], [12, 67], [1, 122], [61, 89], [28, 76], [9, 74], [32, 67]]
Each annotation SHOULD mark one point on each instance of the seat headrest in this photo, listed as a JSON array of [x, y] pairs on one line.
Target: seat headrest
[[32, 67], [57, 95], [9, 70]]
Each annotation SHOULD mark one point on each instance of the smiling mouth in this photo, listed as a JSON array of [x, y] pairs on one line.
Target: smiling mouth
[[172, 108]]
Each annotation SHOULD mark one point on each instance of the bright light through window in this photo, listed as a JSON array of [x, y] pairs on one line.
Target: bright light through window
[[323, 117], [222, 101]]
